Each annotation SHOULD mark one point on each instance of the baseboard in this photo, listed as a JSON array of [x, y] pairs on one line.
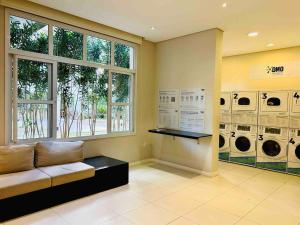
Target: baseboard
[[174, 165], [141, 162]]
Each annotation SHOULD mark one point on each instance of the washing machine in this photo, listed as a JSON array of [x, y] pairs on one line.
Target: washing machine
[[225, 107], [272, 143], [295, 110], [293, 166], [244, 107], [243, 144], [274, 108], [224, 141]]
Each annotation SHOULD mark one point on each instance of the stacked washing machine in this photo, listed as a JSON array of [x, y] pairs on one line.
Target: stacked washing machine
[[293, 165], [244, 127], [225, 126], [273, 127]]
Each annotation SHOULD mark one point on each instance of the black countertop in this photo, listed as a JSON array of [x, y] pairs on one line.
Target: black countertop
[[179, 133]]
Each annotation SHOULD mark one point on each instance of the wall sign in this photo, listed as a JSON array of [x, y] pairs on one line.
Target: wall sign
[[284, 69], [185, 112]]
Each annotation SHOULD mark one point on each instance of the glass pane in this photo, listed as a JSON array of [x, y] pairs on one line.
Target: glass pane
[[123, 56], [81, 101], [98, 50], [28, 35], [121, 87], [67, 43], [33, 121], [120, 119], [33, 80]]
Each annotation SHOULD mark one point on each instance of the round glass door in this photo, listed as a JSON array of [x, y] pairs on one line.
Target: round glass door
[[221, 141], [243, 144], [297, 152], [271, 148], [222, 101]]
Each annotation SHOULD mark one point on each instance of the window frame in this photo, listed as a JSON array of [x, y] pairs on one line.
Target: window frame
[[51, 58]]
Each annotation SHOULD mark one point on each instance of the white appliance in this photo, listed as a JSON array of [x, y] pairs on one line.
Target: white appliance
[[274, 108], [224, 141], [295, 110], [225, 107], [294, 152], [244, 107], [243, 144], [272, 145]]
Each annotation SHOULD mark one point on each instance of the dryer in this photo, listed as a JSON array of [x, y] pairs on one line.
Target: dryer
[[225, 107], [293, 166], [244, 107], [272, 145], [295, 110], [243, 144], [224, 141], [274, 108]]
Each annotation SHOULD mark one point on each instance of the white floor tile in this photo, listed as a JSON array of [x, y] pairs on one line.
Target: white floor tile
[[207, 215], [46, 217], [177, 203], [151, 215], [275, 214], [183, 221], [120, 220], [246, 222]]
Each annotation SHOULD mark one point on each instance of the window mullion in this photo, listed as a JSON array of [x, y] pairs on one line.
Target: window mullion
[[15, 104], [109, 108], [112, 54], [54, 96], [84, 48], [50, 39]]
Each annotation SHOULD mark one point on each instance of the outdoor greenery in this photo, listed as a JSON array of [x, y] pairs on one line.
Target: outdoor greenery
[[82, 92]]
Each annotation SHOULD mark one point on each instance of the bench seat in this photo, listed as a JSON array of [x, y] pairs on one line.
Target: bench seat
[[18, 183], [66, 173]]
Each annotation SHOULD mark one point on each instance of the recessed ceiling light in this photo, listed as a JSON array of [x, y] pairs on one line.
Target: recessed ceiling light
[[270, 45], [152, 28], [224, 5], [252, 34]]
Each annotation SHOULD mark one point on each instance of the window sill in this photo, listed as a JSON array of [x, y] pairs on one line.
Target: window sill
[[90, 138]]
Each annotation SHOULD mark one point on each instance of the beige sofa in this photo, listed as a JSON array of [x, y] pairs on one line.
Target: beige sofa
[[25, 168]]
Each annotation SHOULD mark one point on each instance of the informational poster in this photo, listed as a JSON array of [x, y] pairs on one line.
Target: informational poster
[[191, 120], [192, 98], [168, 118], [182, 109], [168, 98]]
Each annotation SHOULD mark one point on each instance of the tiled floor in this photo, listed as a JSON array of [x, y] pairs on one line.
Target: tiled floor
[[160, 195]]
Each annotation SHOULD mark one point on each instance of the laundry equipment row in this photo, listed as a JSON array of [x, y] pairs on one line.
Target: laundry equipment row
[[261, 129]]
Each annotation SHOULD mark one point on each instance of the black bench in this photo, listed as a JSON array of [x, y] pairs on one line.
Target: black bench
[[110, 173]]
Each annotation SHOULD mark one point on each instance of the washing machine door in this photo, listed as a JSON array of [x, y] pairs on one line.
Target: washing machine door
[[221, 141], [271, 148], [243, 144], [297, 152]]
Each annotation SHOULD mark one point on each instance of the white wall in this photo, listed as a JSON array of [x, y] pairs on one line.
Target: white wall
[[192, 61], [235, 71]]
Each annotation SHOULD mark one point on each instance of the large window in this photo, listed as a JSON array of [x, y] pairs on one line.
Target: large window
[[68, 82]]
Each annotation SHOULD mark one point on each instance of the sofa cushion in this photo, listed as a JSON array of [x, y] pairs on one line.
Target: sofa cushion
[[13, 184], [50, 153], [16, 158], [66, 173]]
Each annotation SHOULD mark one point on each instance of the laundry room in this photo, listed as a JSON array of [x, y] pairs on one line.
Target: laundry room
[[260, 110]]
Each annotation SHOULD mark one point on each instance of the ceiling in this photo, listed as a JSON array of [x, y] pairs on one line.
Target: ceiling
[[276, 21]]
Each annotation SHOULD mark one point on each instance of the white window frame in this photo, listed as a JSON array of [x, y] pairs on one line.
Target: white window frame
[[15, 53]]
